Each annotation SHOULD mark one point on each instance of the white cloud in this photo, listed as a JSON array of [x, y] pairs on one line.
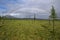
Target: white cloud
[[37, 1], [38, 4], [29, 7]]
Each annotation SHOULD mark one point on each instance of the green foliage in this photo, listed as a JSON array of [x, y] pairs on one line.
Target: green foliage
[[0, 17], [1, 21], [53, 13], [53, 17], [27, 30]]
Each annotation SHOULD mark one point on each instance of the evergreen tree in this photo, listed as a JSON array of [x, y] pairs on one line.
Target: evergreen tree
[[0, 21], [53, 17]]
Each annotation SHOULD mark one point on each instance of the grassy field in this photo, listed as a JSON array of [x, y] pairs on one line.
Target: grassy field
[[28, 30]]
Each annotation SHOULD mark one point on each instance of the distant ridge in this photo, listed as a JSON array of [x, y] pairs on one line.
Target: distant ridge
[[8, 16], [12, 17]]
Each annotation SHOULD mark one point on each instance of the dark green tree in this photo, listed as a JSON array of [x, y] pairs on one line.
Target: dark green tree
[[0, 21], [53, 17]]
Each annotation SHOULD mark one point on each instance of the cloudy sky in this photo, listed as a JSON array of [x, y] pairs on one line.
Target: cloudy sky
[[27, 8]]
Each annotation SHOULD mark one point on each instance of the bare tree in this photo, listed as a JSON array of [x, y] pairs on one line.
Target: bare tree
[[34, 16]]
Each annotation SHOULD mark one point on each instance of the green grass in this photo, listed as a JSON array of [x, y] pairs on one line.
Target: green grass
[[28, 30]]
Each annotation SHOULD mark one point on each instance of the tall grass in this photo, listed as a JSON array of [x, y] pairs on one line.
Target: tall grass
[[28, 30]]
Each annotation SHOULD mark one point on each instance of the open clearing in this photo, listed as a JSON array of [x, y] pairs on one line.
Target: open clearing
[[28, 30]]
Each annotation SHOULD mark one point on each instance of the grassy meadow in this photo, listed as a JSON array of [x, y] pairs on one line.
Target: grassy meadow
[[28, 30]]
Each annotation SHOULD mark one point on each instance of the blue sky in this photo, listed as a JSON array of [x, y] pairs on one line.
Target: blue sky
[[21, 7]]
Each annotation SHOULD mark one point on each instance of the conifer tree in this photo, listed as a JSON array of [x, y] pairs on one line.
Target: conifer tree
[[53, 17]]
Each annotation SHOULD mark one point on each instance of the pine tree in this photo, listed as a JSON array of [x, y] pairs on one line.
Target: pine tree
[[53, 17], [0, 21]]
